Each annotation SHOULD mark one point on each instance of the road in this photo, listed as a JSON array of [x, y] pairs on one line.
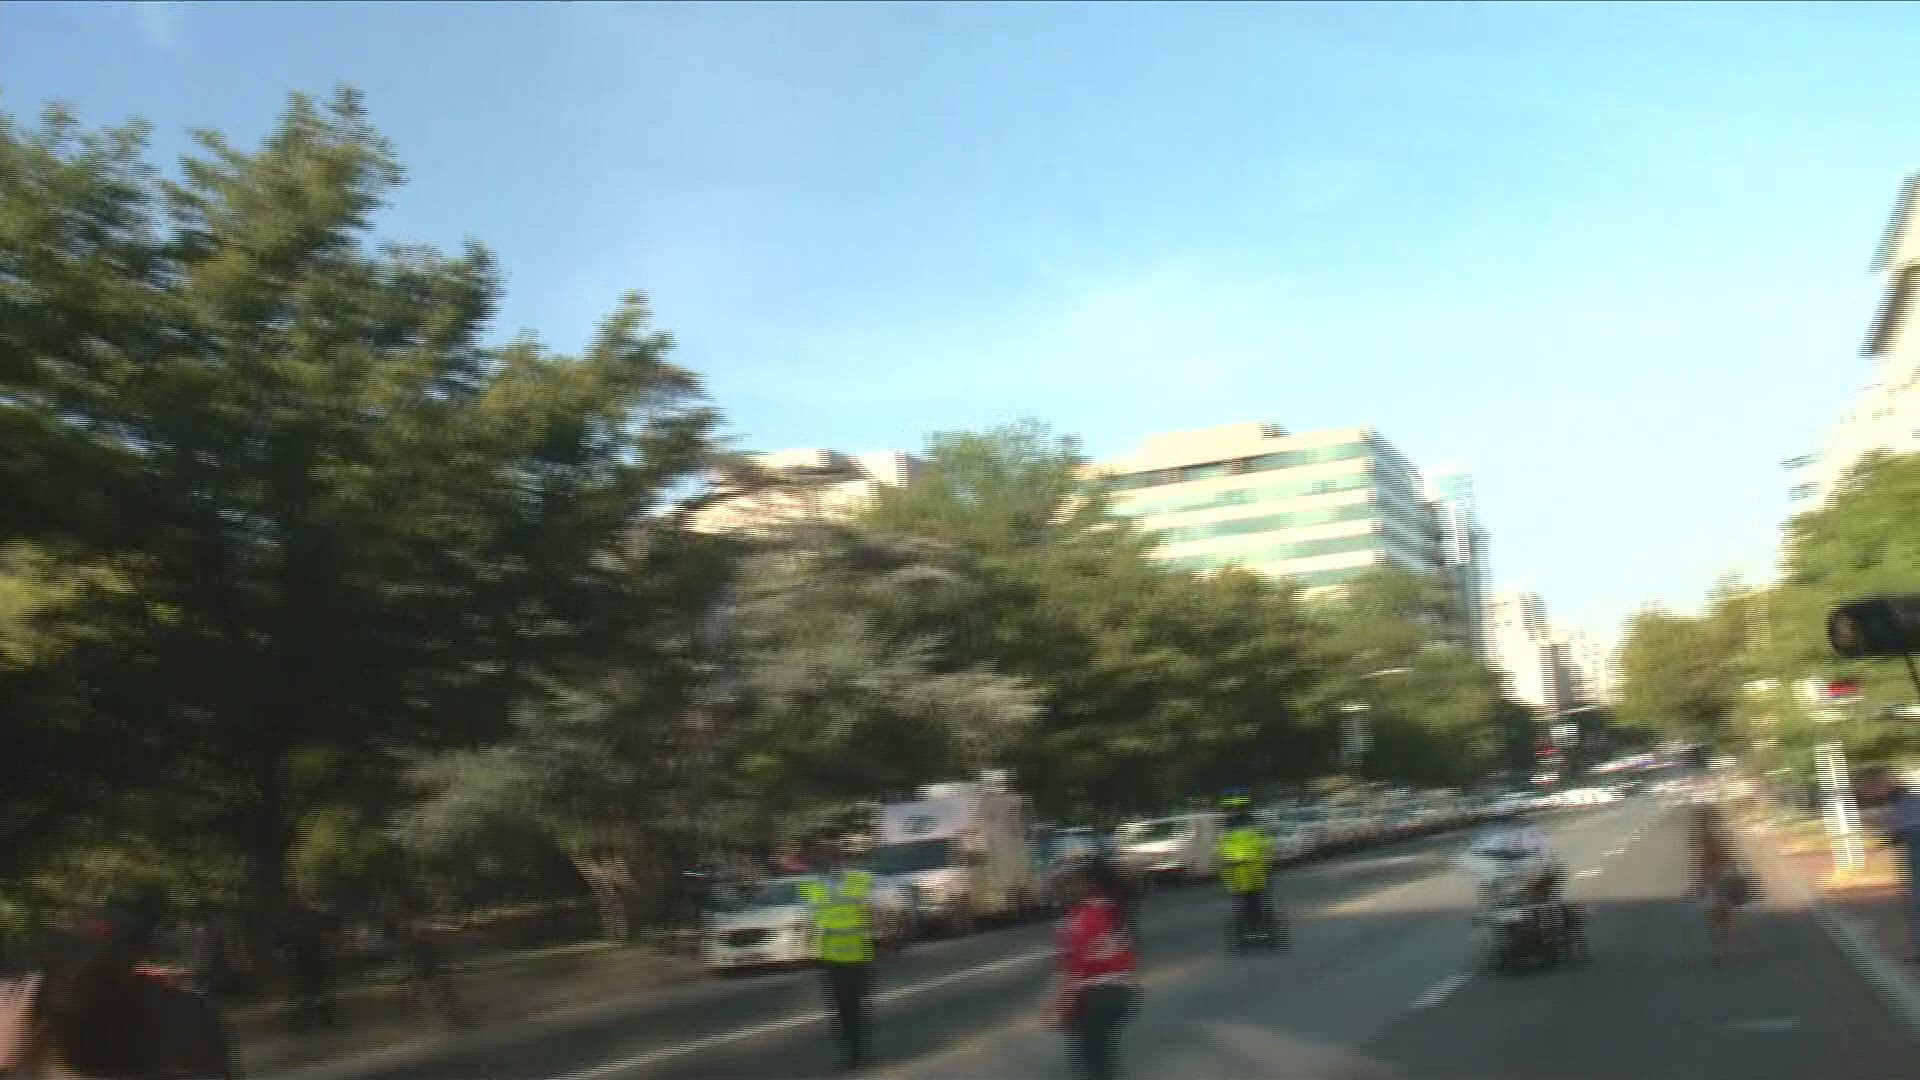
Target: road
[[1378, 985]]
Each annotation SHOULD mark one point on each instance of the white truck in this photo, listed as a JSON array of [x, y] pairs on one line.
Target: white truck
[[964, 848]]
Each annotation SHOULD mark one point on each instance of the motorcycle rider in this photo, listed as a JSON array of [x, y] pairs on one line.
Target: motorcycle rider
[[1246, 856]]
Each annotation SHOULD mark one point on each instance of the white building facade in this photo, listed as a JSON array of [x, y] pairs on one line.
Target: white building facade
[[1885, 415], [1525, 653], [808, 484]]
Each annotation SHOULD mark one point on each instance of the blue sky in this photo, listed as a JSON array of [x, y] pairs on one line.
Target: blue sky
[[1613, 259]]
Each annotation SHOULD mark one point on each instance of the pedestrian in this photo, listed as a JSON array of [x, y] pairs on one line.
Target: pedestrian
[[82, 1009], [1099, 982], [1245, 860], [841, 903], [1716, 879], [306, 941], [1902, 828], [424, 960]]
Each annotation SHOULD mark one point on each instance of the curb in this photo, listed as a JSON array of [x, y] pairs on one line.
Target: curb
[[528, 1029], [1869, 962]]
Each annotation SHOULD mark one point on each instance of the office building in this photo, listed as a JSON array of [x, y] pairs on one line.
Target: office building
[[807, 484], [1463, 550], [1885, 415], [1320, 507]]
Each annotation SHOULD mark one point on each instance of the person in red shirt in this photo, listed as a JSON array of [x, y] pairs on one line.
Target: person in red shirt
[[1098, 969]]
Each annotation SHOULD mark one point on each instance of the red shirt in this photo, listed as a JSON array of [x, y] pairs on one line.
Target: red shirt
[[1095, 947]]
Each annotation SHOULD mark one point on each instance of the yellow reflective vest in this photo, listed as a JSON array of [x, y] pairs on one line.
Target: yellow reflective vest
[[1245, 856], [843, 927]]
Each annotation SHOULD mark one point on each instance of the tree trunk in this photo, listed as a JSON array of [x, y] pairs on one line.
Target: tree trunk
[[268, 842], [613, 887]]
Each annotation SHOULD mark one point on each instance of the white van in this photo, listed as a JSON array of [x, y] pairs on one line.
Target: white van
[[964, 850]]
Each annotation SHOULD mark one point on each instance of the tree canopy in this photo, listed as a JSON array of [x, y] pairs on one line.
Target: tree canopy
[[276, 506], [307, 573]]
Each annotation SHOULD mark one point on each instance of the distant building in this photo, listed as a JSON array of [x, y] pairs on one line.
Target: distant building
[[1320, 507], [1592, 672], [1885, 416], [808, 484], [1463, 550], [1533, 667]]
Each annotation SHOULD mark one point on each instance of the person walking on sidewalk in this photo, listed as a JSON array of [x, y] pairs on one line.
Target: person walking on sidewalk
[[1903, 828], [1717, 879], [1099, 979], [841, 901]]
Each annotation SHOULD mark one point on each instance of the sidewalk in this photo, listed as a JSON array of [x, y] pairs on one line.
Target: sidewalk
[[509, 998], [1864, 913]]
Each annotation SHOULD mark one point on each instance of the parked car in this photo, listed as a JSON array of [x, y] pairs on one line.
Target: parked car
[[1059, 850], [1282, 833], [769, 927], [1305, 832], [1179, 849]]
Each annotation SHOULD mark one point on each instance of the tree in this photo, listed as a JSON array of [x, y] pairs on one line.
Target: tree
[[846, 688], [1861, 541], [1435, 713], [1154, 684], [1681, 674], [309, 517]]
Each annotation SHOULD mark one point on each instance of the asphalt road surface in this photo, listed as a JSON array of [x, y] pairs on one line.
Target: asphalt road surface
[[1380, 984]]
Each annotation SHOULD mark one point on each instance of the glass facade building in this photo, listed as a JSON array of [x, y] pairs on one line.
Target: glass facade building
[[1320, 507]]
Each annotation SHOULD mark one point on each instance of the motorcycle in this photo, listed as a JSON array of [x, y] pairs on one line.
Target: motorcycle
[[1523, 916]]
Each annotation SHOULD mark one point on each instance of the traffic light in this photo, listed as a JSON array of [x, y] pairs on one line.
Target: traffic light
[[1876, 626]]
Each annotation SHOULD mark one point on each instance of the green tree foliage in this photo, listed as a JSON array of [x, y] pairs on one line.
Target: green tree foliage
[[846, 687], [1155, 685], [296, 511], [1685, 675], [1390, 654], [1862, 541]]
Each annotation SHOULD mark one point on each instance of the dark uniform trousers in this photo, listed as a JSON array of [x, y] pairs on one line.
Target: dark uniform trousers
[[848, 988]]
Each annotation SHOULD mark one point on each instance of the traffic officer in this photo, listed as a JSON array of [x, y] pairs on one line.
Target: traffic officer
[[1245, 859], [840, 900]]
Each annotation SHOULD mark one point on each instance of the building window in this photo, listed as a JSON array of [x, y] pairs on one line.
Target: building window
[[1285, 459], [1264, 523], [1136, 508]]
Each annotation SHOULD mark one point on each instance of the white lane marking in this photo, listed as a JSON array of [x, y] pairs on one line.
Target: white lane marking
[[1763, 1025], [664, 1053], [1616, 851], [1590, 873], [1441, 991]]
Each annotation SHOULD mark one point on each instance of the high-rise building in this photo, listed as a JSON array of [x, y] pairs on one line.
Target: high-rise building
[[1463, 548], [1593, 671], [1320, 507], [1885, 416], [1532, 667], [808, 484]]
